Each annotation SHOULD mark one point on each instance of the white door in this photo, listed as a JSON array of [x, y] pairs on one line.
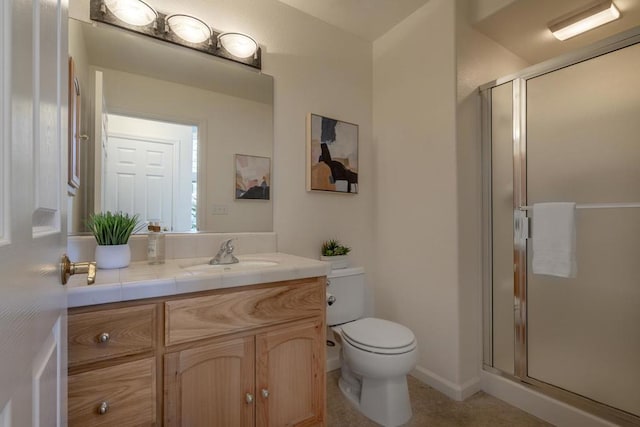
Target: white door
[[33, 136], [147, 170], [138, 177]]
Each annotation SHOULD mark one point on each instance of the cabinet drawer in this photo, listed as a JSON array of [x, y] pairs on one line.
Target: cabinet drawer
[[105, 334], [203, 317], [128, 391]]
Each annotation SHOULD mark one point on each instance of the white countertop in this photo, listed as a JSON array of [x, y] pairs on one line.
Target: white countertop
[[141, 280]]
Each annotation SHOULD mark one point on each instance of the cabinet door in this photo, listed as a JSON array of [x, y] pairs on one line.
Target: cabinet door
[[209, 385], [290, 376]]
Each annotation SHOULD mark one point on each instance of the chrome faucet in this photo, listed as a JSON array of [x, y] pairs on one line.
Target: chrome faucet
[[225, 254]]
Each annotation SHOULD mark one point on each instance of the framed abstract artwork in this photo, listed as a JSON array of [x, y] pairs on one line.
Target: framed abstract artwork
[[253, 177], [332, 155]]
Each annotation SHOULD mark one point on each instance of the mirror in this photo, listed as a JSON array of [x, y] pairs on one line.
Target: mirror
[[161, 127]]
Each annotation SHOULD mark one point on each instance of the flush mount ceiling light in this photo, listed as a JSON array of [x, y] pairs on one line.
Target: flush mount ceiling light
[[177, 28], [587, 18], [188, 28], [133, 12], [238, 44]]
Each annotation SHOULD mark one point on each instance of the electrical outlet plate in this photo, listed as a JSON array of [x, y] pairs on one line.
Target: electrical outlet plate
[[220, 210]]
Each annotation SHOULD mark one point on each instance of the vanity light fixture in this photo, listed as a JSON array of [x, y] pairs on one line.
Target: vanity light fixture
[[133, 12], [238, 44], [181, 29], [587, 18], [188, 28]]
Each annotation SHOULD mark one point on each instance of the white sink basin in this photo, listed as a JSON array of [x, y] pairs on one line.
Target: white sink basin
[[243, 264]]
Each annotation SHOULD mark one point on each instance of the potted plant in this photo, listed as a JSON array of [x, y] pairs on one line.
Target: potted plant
[[112, 232], [335, 253]]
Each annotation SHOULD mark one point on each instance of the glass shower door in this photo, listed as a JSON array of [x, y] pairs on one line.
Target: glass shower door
[[583, 146]]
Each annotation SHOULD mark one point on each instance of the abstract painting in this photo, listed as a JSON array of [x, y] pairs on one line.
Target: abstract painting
[[332, 155], [253, 177]]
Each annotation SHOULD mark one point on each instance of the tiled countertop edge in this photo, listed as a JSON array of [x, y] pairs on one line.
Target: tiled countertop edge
[[141, 280]]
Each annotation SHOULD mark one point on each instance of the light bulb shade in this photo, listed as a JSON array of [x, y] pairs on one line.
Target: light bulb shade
[[133, 12], [584, 20], [189, 28], [238, 44]]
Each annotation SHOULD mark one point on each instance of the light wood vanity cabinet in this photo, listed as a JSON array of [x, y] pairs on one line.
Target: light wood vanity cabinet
[[102, 393], [275, 378], [249, 356]]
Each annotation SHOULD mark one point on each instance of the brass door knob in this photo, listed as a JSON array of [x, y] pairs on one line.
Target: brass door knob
[[68, 268]]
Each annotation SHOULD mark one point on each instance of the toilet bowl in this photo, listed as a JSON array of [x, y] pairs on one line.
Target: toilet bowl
[[376, 354]]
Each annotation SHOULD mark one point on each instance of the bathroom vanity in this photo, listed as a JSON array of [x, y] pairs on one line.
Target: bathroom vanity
[[245, 348]]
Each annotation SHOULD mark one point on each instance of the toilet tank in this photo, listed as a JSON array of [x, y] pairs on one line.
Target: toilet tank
[[347, 285]]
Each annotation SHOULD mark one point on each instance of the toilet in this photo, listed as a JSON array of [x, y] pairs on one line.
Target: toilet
[[376, 354]]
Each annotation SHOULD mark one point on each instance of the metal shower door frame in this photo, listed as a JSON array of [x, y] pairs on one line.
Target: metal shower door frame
[[521, 223]]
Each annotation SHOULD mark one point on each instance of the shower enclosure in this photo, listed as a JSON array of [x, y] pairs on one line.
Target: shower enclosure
[[567, 130]]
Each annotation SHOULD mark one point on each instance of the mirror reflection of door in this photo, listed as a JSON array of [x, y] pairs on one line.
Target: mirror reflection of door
[[148, 171]]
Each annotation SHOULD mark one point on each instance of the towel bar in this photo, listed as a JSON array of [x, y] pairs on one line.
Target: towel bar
[[594, 206]]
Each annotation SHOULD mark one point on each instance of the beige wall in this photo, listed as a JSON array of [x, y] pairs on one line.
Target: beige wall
[[415, 152], [316, 68], [427, 151]]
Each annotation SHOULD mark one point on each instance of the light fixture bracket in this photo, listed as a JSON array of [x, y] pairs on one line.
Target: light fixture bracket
[[98, 12]]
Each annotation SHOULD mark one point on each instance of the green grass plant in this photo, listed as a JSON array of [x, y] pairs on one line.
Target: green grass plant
[[113, 228], [334, 248]]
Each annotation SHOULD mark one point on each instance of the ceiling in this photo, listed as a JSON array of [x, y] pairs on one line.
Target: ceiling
[[368, 19], [521, 27], [518, 25]]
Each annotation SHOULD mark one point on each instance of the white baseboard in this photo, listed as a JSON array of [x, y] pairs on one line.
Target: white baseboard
[[537, 404], [455, 391]]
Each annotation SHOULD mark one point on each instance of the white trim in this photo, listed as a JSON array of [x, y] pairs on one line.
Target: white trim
[[5, 415], [537, 404], [454, 391], [5, 120]]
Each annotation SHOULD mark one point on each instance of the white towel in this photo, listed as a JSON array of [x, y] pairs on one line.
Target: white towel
[[554, 239]]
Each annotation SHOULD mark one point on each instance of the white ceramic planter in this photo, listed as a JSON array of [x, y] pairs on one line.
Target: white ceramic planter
[[113, 256], [337, 261]]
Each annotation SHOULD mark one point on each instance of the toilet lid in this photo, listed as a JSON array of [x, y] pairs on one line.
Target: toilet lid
[[378, 335]]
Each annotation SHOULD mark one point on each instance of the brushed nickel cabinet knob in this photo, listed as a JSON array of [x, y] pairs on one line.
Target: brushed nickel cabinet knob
[[103, 408]]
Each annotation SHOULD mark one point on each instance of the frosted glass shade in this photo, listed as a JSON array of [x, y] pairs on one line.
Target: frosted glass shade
[[594, 17], [133, 12], [238, 44], [189, 28]]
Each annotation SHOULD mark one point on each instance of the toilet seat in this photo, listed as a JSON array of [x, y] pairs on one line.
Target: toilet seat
[[379, 336]]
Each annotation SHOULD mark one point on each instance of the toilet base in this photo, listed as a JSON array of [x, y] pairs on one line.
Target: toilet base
[[383, 401], [386, 401]]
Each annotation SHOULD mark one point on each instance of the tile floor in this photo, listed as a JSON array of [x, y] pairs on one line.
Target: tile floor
[[431, 408]]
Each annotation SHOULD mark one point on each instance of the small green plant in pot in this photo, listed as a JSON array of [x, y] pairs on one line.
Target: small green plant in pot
[[335, 253], [112, 232]]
